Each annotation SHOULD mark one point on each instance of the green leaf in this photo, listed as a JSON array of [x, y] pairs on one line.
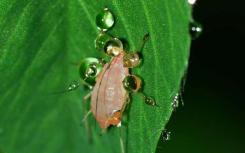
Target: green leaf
[[38, 42]]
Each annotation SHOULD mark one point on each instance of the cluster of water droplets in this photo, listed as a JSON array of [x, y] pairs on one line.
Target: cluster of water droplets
[[195, 30], [175, 102], [105, 42], [91, 67], [165, 135]]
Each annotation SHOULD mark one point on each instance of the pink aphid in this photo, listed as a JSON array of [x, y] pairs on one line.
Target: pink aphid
[[109, 97]]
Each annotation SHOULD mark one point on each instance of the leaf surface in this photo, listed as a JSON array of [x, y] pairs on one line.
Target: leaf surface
[[38, 42]]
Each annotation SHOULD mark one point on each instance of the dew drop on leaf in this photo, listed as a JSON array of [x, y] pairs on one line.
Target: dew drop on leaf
[[131, 60], [191, 2], [105, 20], [175, 102], [89, 69], [195, 30], [101, 40], [107, 44], [165, 135]]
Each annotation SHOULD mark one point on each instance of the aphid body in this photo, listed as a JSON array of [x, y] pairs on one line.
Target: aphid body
[[109, 96]]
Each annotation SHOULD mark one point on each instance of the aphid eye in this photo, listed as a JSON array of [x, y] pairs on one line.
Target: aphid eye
[[89, 69], [132, 83], [108, 44], [131, 60]]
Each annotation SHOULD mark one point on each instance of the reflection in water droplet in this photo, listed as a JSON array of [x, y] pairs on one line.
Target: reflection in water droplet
[[132, 83], [89, 69], [114, 47], [165, 135], [195, 30], [105, 20], [108, 44], [191, 2]]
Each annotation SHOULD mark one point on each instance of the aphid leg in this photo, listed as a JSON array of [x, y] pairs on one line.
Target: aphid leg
[[121, 141], [86, 114], [86, 97], [145, 39]]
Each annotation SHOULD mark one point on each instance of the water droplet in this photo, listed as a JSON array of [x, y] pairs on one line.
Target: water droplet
[[89, 69], [165, 135], [191, 2], [150, 101], [101, 40], [175, 102], [110, 45], [131, 60], [132, 83], [114, 47], [195, 30], [105, 20]]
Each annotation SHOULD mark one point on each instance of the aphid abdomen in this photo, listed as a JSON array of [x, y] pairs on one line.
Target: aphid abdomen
[[109, 95]]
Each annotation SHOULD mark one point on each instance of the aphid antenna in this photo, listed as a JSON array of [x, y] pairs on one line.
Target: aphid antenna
[[87, 126], [145, 39]]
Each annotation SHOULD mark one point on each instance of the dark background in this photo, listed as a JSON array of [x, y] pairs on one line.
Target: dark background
[[212, 119]]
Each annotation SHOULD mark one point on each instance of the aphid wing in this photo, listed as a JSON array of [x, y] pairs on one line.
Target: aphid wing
[[97, 100], [116, 95]]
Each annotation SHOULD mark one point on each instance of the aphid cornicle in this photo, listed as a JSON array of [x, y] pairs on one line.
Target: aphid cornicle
[[112, 81]]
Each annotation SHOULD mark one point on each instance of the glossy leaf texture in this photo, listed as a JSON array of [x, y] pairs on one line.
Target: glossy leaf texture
[[39, 41]]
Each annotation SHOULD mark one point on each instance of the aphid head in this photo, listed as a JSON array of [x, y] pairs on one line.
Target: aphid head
[[108, 44], [132, 83], [89, 69]]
